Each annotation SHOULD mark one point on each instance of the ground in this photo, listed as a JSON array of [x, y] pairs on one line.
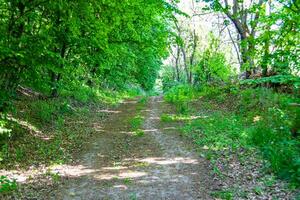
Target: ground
[[115, 163], [121, 166]]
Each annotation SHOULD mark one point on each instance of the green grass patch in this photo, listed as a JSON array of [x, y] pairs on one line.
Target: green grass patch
[[138, 133], [180, 96], [259, 119], [7, 185], [136, 122], [49, 131], [225, 194]]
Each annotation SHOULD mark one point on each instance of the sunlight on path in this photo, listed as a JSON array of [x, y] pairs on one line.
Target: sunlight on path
[[119, 166]]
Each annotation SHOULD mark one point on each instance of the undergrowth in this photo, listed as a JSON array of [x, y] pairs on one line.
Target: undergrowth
[[48, 131], [244, 119]]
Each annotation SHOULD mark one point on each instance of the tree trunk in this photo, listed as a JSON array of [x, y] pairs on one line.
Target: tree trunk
[[185, 65], [195, 40], [55, 77], [177, 64]]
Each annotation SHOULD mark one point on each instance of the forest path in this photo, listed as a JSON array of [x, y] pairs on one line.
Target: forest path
[[118, 165]]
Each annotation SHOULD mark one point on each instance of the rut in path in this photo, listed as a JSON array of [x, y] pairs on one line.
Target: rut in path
[[117, 165]]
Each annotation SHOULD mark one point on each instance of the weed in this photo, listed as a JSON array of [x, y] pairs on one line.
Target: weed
[[225, 194], [143, 100], [258, 190], [43, 110], [4, 153], [166, 118], [139, 133], [263, 120], [20, 154], [127, 181], [133, 196], [7, 185], [136, 122]]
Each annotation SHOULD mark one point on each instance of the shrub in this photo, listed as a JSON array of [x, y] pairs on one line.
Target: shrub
[[263, 120], [273, 136], [44, 110], [210, 91], [180, 97]]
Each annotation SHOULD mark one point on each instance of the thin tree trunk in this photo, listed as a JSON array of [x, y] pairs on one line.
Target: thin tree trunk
[[185, 65], [177, 64], [193, 55], [235, 47], [55, 78]]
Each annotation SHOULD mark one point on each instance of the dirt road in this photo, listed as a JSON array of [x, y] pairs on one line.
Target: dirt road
[[117, 165]]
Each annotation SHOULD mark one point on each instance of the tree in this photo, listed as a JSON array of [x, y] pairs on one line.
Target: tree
[[245, 17], [53, 46]]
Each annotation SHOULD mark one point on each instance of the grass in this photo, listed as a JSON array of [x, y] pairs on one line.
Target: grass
[[49, 131], [180, 96], [225, 194], [7, 185], [139, 133], [137, 122], [258, 119], [136, 125]]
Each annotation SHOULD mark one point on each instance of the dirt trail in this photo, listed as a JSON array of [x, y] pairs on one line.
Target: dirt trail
[[118, 165]]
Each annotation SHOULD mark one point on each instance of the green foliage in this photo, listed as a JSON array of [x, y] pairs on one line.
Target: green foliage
[[212, 65], [136, 122], [84, 94], [284, 59], [180, 93], [273, 121], [261, 99], [54, 176], [278, 25], [180, 96], [166, 118], [289, 80], [139, 133], [58, 47], [7, 185], [262, 119], [210, 91], [143, 101], [4, 132], [217, 131], [226, 194], [44, 111], [168, 80]]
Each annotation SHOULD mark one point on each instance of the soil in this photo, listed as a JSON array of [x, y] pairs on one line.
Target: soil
[[118, 165]]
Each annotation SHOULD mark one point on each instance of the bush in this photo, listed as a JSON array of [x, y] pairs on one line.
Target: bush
[[44, 110], [264, 119], [273, 136], [261, 99], [210, 91], [180, 96]]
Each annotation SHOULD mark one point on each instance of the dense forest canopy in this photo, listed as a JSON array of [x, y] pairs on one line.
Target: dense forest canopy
[[56, 45]]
